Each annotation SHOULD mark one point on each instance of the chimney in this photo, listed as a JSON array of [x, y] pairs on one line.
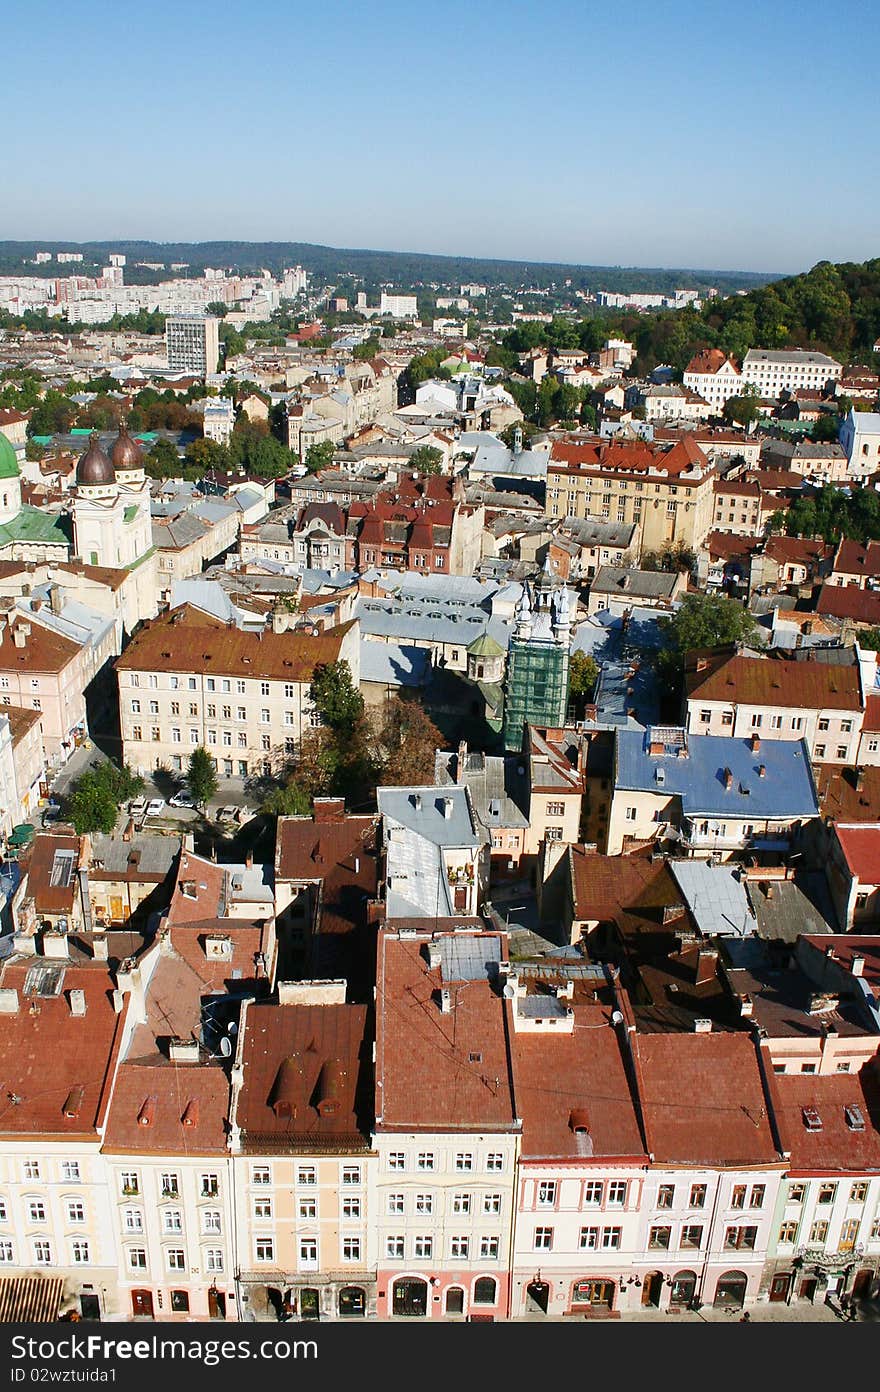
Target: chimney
[[857, 965], [447, 808], [100, 949], [434, 955], [55, 946], [702, 1026], [762, 770], [707, 966], [8, 1000], [445, 1000], [746, 1006], [728, 779], [417, 801], [249, 860], [756, 743], [56, 600], [462, 762], [77, 1001], [768, 890], [860, 779]]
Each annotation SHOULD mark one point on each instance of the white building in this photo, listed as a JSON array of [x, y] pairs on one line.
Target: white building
[[399, 306], [772, 371], [192, 343], [219, 419], [714, 376], [860, 438]]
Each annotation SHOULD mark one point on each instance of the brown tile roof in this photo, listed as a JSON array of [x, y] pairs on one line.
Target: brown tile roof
[[110, 576], [854, 559], [49, 898], [43, 650], [581, 1075], [772, 681], [308, 1075], [836, 1148], [21, 720], [440, 1072], [729, 545], [846, 794], [603, 885], [57, 1064], [849, 602], [702, 1099], [161, 1107], [188, 640], [342, 854], [803, 549]]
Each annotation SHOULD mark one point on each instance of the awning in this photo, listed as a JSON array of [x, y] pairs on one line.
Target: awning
[[30, 1299], [22, 834]]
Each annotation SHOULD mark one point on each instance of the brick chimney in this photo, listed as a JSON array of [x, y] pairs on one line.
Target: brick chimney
[[755, 743], [728, 779]]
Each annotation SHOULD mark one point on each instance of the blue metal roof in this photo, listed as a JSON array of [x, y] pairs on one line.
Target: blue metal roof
[[786, 789]]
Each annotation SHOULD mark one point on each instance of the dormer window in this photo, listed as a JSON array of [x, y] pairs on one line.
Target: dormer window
[[811, 1118]]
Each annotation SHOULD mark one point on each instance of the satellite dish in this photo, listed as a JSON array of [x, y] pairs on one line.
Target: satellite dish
[[226, 1046], [616, 1017], [232, 1027]]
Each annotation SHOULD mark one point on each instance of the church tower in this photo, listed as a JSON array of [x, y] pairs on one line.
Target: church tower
[[97, 513], [537, 664], [111, 520]]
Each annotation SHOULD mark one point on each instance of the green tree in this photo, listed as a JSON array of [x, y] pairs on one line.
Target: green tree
[[705, 621], [33, 451], [201, 776], [320, 456], [218, 309], [742, 409], [827, 427], [96, 797], [583, 673], [427, 459], [335, 696], [162, 460]]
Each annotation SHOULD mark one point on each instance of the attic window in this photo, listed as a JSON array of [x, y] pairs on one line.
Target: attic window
[[166, 654], [74, 1100], [191, 1114], [855, 1117], [475, 1058], [812, 1119], [147, 1113]]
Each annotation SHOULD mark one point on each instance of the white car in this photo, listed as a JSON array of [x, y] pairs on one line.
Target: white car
[[154, 807], [182, 799]]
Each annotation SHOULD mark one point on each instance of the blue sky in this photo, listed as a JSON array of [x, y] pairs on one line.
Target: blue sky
[[678, 134]]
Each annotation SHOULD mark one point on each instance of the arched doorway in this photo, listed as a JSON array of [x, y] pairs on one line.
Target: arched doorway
[[684, 1285], [652, 1287], [142, 1304], [597, 1293], [730, 1292], [455, 1301], [309, 1303], [410, 1298], [352, 1302], [537, 1298]]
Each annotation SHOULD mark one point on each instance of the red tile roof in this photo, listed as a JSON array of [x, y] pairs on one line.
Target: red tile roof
[[709, 360], [635, 457], [439, 1072], [308, 1075], [871, 718], [58, 1065], [702, 1098], [51, 898], [849, 602], [861, 849], [837, 1147], [164, 1108], [854, 559], [582, 1074]]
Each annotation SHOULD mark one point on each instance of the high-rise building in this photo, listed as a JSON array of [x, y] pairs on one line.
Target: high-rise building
[[192, 343], [537, 664]]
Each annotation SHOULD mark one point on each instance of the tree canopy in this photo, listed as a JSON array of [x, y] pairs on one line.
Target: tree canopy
[[201, 776], [706, 621], [97, 795], [337, 700]]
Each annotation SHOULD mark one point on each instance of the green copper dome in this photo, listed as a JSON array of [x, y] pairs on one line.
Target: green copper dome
[[8, 462]]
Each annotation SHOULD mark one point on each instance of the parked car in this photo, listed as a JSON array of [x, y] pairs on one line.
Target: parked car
[[182, 799], [137, 807], [155, 806]]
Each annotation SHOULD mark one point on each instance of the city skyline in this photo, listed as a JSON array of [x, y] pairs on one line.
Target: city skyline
[[561, 157]]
